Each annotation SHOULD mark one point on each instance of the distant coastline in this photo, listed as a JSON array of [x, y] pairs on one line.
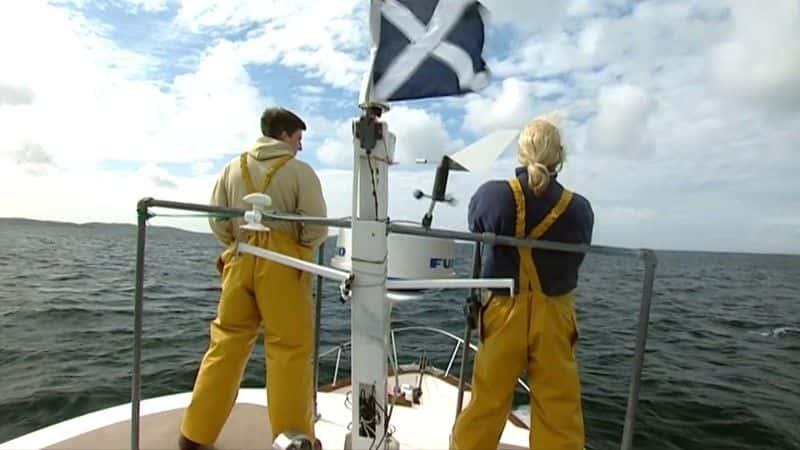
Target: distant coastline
[[25, 221]]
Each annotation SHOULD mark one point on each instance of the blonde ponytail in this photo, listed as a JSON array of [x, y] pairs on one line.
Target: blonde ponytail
[[540, 151], [538, 178]]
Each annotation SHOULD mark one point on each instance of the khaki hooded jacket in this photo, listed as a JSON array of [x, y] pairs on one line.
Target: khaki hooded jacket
[[294, 188]]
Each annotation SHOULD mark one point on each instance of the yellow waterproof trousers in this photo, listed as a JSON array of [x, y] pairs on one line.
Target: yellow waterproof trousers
[[529, 332], [525, 333], [257, 291]]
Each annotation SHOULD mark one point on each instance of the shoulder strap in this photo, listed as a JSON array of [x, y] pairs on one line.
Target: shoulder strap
[[548, 220], [552, 216], [248, 180], [272, 170], [529, 276], [519, 201]]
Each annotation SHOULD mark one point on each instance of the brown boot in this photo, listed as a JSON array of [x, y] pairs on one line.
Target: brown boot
[[185, 443]]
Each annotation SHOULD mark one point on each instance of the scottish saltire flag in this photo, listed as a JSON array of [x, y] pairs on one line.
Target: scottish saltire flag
[[428, 48]]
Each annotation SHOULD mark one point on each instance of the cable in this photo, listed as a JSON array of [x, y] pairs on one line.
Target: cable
[[368, 414], [369, 427], [386, 421], [378, 409], [387, 418], [372, 177]]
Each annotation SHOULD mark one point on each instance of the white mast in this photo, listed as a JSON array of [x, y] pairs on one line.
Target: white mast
[[370, 322]]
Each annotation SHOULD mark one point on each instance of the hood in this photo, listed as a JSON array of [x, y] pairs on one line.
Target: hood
[[266, 147]]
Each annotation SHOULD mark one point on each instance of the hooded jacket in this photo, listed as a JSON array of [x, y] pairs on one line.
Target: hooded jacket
[[295, 189]]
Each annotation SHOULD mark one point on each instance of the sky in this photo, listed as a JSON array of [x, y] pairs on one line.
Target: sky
[[681, 119]]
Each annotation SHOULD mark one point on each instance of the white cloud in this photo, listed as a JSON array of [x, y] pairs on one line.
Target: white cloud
[[652, 35], [199, 14], [528, 14], [510, 107], [336, 150], [97, 106], [326, 40], [759, 61], [514, 103], [31, 158], [88, 195], [588, 8], [337, 188], [420, 134], [311, 89], [693, 196], [72, 42], [32, 153], [157, 177], [15, 95], [219, 92], [649, 77], [622, 215], [202, 167], [621, 123], [151, 5]]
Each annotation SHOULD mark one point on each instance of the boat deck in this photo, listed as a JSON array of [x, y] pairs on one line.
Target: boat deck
[[423, 426]]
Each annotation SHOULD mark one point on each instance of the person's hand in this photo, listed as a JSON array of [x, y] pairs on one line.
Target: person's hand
[[220, 264]]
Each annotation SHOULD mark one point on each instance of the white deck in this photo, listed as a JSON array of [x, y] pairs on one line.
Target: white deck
[[424, 426]]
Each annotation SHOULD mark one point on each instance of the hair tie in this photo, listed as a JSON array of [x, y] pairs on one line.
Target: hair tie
[[542, 166]]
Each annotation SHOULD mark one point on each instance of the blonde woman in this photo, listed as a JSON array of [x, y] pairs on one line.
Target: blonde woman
[[535, 330]]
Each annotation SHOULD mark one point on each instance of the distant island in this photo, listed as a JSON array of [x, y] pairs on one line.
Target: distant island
[[158, 229], [18, 221], [28, 222]]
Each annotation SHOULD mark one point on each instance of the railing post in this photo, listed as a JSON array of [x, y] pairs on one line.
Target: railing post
[[336, 368], [136, 379], [469, 323], [317, 322], [394, 351], [452, 358], [650, 263]]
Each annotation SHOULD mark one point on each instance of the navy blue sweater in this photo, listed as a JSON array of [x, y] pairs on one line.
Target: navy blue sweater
[[492, 210]]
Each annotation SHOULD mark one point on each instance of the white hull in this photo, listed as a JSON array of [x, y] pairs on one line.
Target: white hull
[[424, 426]]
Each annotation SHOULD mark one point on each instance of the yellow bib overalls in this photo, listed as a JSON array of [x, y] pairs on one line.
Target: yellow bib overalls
[[533, 332], [258, 291]]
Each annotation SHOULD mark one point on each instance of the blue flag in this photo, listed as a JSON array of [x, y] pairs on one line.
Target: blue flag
[[429, 48]]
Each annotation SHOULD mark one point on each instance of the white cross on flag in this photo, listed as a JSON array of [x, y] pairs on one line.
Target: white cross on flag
[[428, 48]]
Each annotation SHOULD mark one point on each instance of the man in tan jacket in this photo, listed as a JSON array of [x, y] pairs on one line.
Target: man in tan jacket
[[257, 291]]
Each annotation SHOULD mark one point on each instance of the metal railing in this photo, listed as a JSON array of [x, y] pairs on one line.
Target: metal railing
[[647, 256], [339, 349]]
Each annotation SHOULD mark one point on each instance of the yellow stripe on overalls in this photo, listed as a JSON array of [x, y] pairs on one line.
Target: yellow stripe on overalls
[[526, 258], [248, 179], [552, 216], [529, 332]]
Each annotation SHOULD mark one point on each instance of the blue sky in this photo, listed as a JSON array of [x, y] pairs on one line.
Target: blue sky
[[681, 117]]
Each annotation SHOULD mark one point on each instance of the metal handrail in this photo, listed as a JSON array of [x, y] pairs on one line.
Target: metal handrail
[[459, 342], [496, 239], [647, 256], [398, 227]]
